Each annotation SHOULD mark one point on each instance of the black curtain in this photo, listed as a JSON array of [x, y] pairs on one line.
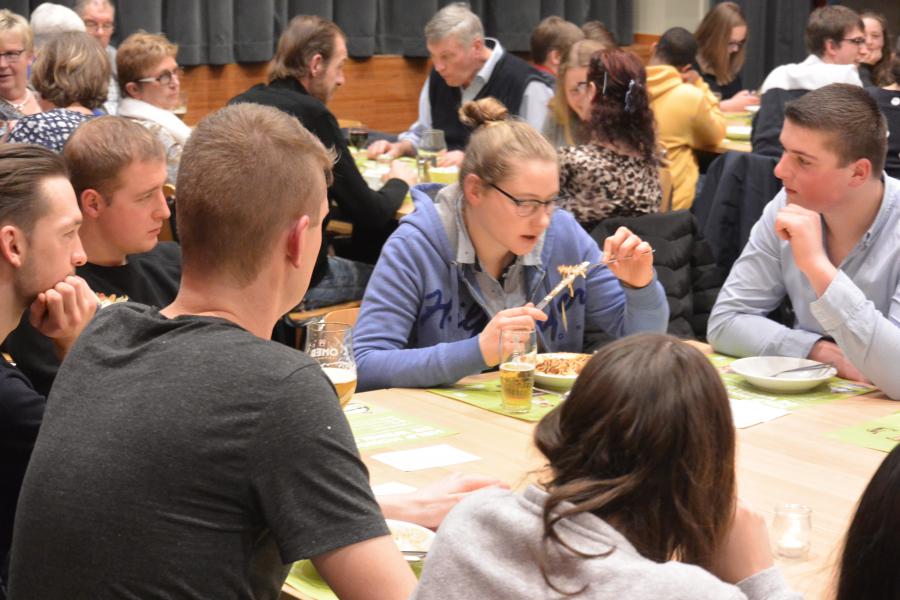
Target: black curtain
[[775, 36], [226, 31]]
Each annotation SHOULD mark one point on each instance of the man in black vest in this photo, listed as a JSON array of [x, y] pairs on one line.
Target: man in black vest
[[467, 67]]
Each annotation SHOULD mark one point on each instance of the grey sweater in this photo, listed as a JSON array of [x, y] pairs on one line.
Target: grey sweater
[[490, 544]]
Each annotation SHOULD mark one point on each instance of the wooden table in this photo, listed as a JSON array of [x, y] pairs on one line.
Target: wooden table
[[788, 460]]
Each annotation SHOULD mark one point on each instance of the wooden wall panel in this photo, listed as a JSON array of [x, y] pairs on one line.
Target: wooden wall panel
[[382, 91]]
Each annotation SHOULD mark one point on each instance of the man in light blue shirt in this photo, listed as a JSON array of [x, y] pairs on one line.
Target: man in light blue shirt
[[468, 66], [829, 241]]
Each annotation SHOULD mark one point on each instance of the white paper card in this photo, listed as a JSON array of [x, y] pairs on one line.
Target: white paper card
[[747, 413], [428, 457], [392, 487]]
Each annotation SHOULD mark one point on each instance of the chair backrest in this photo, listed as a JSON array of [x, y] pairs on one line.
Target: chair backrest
[[344, 315], [665, 184]]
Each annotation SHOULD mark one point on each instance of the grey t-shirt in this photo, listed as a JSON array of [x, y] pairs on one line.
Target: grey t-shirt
[[185, 458]]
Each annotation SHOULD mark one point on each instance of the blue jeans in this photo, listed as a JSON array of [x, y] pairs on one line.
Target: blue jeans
[[344, 281]]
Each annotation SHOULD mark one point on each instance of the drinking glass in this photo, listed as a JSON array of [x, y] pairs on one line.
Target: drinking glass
[[182, 107], [331, 345], [431, 145], [358, 136], [518, 355], [791, 530]]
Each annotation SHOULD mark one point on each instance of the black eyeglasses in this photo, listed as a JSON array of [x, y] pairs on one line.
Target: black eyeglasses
[[164, 78], [527, 208], [857, 41], [580, 87]]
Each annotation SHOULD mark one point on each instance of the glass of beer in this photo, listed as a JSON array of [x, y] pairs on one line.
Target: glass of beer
[[431, 145], [358, 136], [518, 355], [331, 345]]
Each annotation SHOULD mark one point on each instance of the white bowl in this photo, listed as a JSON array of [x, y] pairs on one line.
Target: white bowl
[[551, 381], [411, 537], [758, 370], [738, 132]]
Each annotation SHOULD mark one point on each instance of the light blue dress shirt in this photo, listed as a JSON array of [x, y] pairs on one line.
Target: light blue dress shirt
[[533, 108], [860, 309]]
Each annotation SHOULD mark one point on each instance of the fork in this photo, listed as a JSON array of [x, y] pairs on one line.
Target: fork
[[815, 367]]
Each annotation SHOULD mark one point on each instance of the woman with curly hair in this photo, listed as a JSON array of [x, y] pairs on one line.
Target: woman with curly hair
[[616, 172], [638, 500]]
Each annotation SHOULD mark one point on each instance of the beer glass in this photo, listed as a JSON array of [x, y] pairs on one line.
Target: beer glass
[[331, 345], [518, 355], [431, 144], [358, 136]]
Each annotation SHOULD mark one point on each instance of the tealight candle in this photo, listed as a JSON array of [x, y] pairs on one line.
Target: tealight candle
[[791, 530]]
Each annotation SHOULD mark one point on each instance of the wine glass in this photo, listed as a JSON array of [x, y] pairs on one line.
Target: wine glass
[[358, 136], [331, 345], [431, 145]]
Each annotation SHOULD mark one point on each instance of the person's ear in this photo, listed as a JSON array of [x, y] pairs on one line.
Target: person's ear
[[478, 44], [133, 90], [554, 58], [473, 189], [12, 245], [91, 203], [296, 240], [591, 92], [860, 172], [831, 47], [316, 65]]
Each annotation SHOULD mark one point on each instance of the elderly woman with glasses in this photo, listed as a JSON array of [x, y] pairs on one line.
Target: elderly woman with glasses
[[473, 261], [149, 78], [16, 53]]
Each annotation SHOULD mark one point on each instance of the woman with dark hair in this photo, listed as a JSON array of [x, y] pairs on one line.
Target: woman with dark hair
[[721, 37], [888, 99], [616, 172], [638, 500], [875, 68], [868, 567]]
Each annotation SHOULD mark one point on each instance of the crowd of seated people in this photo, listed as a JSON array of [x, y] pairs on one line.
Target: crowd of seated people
[[158, 442]]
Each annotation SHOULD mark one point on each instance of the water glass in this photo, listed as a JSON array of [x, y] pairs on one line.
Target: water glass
[[518, 355], [791, 530], [431, 145]]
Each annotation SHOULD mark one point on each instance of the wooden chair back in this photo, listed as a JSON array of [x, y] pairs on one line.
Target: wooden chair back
[[344, 315]]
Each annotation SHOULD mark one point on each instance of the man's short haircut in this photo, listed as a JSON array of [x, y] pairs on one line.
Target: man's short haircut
[[247, 172], [139, 53], [553, 33], [455, 19], [81, 5], [305, 36], [598, 31], [849, 115], [23, 167], [16, 23], [677, 47], [100, 149], [49, 19], [829, 23], [72, 67]]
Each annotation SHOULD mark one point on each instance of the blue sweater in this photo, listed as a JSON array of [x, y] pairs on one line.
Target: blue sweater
[[422, 313]]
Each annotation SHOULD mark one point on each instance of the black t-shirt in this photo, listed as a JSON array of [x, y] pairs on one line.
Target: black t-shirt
[[150, 278], [21, 409], [185, 458], [728, 90]]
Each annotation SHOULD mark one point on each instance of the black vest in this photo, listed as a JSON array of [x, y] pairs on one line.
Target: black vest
[[510, 77]]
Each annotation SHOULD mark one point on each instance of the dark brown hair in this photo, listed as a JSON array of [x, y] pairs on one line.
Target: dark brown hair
[[646, 442], [553, 33], [871, 552], [72, 67], [305, 36], [829, 23], [851, 116], [23, 168], [881, 70], [713, 36], [100, 149], [620, 112], [246, 172]]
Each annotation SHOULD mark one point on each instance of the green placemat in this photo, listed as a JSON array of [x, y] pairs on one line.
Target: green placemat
[[305, 580], [486, 395], [879, 434], [375, 427], [738, 389]]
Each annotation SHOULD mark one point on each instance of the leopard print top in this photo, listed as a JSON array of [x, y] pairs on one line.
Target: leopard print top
[[596, 182]]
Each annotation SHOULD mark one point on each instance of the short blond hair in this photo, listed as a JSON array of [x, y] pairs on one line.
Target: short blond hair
[[100, 149], [246, 173], [16, 23], [140, 52], [72, 67]]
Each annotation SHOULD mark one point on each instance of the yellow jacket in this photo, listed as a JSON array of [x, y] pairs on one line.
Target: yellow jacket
[[687, 117]]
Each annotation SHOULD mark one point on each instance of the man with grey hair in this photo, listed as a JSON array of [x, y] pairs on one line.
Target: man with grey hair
[[99, 18], [468, 66], [49, 19]]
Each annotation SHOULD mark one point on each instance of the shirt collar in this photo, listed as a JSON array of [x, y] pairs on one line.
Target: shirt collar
[[484, 74], [889, 201]]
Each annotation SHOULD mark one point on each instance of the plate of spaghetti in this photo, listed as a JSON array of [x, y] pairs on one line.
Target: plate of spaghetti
[[558, 370]]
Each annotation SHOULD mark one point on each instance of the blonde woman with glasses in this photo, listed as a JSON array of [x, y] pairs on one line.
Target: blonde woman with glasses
[[473, 261], [16, 53]]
